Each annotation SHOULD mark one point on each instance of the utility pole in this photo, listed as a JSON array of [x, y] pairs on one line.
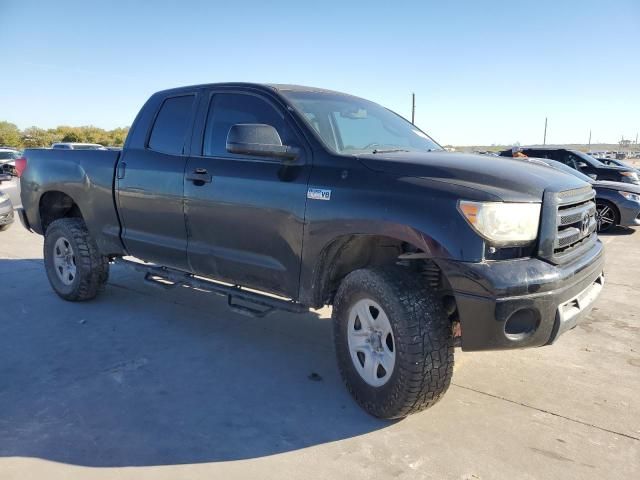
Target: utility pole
[[413, 109], [544, 140], [589, 139]]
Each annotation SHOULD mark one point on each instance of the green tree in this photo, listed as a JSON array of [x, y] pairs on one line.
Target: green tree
[[117, 136], [10, 135], [36, 137]]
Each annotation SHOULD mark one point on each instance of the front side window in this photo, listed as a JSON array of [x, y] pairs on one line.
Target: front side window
[[577, 162], [352, 125], [228, 109], [171, 125]]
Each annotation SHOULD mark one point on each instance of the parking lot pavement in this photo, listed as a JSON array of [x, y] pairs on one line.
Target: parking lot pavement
[[171, 384]]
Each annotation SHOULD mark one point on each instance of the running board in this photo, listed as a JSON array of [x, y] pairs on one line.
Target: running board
[[239, 299]]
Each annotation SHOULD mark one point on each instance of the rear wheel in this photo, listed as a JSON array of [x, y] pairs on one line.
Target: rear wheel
[[607, 216], [74, 266], [393, 342]]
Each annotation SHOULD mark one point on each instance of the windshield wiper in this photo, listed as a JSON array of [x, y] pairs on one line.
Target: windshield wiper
[[390, 151]]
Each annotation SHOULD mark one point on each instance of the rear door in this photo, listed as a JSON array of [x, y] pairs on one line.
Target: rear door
[[150, 180], [246, 224]]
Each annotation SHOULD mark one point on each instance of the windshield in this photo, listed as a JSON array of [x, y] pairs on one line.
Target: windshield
[[87, 147], [567, 169], [353, 125], [9, 155], [587, 158]]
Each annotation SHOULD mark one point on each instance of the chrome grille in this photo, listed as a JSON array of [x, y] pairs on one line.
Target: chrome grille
[[576, 192], [568, 216], [575, 220]]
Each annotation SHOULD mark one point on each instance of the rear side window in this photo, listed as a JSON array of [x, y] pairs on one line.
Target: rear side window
[[171, 125], [533, 153], [228, 109]]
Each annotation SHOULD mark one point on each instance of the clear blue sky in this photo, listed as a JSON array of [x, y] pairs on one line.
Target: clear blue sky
[[483, 71]]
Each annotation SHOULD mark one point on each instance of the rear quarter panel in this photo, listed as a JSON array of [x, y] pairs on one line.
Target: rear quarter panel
[[84, 175]]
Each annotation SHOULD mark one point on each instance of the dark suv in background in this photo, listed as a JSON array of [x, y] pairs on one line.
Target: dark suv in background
[[582, 162]]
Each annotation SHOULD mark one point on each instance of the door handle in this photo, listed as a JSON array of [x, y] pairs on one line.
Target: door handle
[[199, 176], [121, 170]]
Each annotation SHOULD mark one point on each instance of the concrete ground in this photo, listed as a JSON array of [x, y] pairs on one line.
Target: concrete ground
[[152, 384]]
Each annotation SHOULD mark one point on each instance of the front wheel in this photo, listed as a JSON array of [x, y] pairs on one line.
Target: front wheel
[[393, 341], [74, 266], [607, 216]]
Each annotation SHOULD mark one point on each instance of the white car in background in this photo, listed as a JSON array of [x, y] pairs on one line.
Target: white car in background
[[8, 155], [9, 182], [77, 146]]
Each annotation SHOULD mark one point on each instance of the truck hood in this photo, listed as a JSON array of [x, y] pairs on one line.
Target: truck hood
[[511, 180], [618, 186]]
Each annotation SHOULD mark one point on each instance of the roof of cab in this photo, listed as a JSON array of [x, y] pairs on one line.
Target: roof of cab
[[280, 87]]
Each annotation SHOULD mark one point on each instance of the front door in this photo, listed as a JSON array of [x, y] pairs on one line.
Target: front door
[[151, 186], [245, 219]]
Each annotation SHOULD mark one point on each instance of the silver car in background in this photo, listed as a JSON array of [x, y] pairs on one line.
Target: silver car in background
[[77, 146], [9, 182]]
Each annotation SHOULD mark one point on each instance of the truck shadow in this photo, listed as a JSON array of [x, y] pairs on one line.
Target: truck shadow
[[618, 231], [142, 377]]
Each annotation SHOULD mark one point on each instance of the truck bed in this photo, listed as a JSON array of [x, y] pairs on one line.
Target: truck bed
[[85, 175]]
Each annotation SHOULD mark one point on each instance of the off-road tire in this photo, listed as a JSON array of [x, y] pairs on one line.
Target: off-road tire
[[92, 268], [422, 335]]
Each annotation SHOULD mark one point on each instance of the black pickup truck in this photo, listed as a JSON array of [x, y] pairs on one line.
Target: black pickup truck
[[290, 198]]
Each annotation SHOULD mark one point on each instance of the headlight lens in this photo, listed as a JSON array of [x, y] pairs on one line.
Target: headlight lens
[[503, 223], [634, 197], [633, 176]]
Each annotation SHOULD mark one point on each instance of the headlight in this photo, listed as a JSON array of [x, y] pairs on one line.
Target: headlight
[[503, 223], [632, 176], [634, 197]]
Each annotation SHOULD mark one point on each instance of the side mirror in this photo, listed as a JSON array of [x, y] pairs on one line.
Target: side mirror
[[258, 139]]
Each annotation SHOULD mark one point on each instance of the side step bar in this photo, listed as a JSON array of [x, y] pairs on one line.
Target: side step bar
[[239, 299]]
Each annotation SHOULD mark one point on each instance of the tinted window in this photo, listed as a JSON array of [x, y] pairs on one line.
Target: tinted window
[[9, 155], [564, 157], [228, 109], [171, 125], [583, 157]]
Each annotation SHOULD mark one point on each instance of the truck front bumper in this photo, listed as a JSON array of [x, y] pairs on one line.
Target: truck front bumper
[[523, 303]]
